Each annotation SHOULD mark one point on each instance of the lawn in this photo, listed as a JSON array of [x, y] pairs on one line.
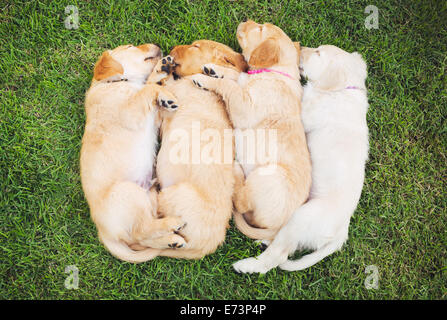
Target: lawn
[[400, 223]]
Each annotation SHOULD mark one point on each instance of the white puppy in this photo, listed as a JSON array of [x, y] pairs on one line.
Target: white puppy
[[334, 118]]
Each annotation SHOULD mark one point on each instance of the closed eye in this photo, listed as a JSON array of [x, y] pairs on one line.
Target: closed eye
[[229, 61], [148, 58]]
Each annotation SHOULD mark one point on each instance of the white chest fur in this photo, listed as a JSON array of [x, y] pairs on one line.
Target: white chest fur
[[142, 152]]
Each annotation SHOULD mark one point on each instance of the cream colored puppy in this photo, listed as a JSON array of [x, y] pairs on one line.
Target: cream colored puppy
[[334, 116], [118, 153], [265, 102], [195, 161]]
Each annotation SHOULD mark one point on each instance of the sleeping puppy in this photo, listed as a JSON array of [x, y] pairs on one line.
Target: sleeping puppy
[[195, 161], [334, 117], [118, 153], [266, 100]]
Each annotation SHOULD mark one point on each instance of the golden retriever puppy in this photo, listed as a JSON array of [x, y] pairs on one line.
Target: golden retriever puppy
[[118, 153], [335, 104], [266, 100], [195, 161]]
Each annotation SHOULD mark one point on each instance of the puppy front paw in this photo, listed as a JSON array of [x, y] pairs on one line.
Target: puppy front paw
[[167, 64], [162, 70], [199, 80], [211, 71], [167, 101], [220, 72]]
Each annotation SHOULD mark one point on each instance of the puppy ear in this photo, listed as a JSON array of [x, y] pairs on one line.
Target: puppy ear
[[298, 51], [144, 47], [265, 55], [361, 64], [236, 60], [106, 67], [335, 81], [297, 45]]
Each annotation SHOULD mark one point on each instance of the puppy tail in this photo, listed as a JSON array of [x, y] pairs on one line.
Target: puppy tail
[[252, 232], [306, 221], [190, 254], [312, 258], [122, 251]]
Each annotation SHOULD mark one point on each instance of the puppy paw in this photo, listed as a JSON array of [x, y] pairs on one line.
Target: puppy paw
[[155, 185], [179, 243], [162, 70], [211, 71], [174, 224], [180, 228], [167, 101], [176, 242], [199, 80], [220, 72], [168, 241], [167, 64], [197, 83], [250, 265]]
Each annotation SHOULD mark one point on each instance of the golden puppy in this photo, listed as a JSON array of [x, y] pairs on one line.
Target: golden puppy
[[265, 100], [118, 153], [194, 164]]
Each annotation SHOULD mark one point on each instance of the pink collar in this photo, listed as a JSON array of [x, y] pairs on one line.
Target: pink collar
[[354, 87], [269, 70]]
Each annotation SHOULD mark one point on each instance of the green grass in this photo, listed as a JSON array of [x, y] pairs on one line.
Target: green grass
[[399, 225]]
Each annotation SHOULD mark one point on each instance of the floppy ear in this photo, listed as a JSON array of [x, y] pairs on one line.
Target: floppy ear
[[265, 55], [297, 45], [107, 67], [236, 60], [335, 79], [298, 51], [144, 47], [361, 64]]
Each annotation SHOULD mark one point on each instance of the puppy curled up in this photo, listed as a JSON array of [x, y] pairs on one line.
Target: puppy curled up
[[267, 100], [118, 153], [195, 161]]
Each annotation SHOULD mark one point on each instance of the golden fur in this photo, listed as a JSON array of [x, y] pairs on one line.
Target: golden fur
[[265, 101], [199, 193], [118, 152]]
